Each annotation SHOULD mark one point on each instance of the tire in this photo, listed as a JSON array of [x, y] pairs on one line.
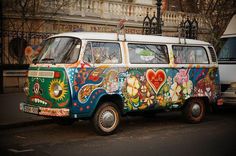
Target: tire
[[194, 110], [106, 119]]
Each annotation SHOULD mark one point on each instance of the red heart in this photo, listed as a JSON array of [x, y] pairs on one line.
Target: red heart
[[156, 79]]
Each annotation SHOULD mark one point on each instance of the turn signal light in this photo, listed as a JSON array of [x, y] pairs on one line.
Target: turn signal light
[[57, 74]]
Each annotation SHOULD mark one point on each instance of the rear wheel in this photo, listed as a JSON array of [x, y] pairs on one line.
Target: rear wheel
[[106, 119], [194, 110]]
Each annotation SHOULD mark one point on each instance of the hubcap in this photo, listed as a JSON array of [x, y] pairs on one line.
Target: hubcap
[[196, 110], [107, 119]]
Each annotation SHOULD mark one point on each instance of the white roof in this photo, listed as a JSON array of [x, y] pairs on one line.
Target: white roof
[[129, 37], [231, 28]]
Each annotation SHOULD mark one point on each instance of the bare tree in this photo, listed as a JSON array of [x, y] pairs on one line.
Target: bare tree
[[32, 14], [216, 13], [28, 16]]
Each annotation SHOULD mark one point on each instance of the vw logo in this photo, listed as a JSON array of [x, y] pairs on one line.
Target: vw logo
[[36, 88]]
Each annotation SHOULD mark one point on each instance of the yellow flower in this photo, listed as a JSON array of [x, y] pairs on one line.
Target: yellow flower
[[149, 99], [188, 86], [160, 99], [133, 86], [174, 92], [143, 89]]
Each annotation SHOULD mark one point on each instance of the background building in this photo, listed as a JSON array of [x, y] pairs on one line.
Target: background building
[[29, 22]]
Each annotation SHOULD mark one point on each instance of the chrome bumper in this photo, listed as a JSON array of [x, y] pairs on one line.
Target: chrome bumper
[[60, 112], [229, 97]]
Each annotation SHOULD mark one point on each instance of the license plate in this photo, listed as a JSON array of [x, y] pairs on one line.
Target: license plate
[[30, 109]]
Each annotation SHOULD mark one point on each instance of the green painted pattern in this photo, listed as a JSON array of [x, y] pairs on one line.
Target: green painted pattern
[[45, 97]]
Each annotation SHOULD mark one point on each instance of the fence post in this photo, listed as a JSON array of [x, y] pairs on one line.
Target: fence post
[[1, 49]]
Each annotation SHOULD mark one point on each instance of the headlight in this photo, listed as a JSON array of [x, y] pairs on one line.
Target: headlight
[[57, 90]]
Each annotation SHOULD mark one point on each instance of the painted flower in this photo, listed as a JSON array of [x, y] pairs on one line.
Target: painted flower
[[169, 80], [188, 86], [133, 86], [149, 99], [143, 89], [182, 76], [174, 92], [142, 107], [142, 78], [166, 88], [208, 92], [160, 100], [200, 92]]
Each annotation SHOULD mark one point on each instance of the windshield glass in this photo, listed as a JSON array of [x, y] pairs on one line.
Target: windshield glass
[[60, 50], [228, 49]]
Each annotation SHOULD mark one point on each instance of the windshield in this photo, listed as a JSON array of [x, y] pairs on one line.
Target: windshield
[[228, 49], [60, 50]]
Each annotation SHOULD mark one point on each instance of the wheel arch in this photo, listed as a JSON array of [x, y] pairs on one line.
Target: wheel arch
[[204, 98], [115, 98]]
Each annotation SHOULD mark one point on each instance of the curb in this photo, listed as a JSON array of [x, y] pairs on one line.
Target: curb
[[25, 124]]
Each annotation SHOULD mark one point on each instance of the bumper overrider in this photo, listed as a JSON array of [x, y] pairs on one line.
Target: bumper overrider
[[59, 112]]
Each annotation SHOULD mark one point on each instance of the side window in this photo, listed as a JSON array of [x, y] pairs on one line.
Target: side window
[[213, 55], [88, 53], [148, 54], [74, 54], [102, 53], [192, 55]]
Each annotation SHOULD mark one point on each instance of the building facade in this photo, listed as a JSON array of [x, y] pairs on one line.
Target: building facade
[[29, 22]]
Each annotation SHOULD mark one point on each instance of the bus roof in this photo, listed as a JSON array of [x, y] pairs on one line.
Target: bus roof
[[230, 29], [129, 37]]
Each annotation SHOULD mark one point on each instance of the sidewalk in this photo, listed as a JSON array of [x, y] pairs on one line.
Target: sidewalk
[[11, 117]]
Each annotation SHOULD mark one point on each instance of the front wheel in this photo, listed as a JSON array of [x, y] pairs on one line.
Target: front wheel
[[106, 119], [194, 110]]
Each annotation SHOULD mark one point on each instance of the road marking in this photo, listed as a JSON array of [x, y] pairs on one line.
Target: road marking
[[21, 137], [20, 151]]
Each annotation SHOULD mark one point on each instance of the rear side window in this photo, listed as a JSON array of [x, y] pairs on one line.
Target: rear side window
[[213, 55], [190, 55], [102, 53], [148, 54]]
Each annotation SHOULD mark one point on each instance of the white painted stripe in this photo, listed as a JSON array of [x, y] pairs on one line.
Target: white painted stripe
[[43, 74], [20, 151]]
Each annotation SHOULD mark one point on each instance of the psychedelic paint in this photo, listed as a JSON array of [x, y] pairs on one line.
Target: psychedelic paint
[[141, 88]]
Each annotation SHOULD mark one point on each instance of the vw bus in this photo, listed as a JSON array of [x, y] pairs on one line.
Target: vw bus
[[103, 76]]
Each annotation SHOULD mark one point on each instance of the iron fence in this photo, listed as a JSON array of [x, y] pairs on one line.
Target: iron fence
[[15, 42]]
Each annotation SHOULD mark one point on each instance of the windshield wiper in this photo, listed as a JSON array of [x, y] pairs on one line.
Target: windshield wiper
[[48, 59]]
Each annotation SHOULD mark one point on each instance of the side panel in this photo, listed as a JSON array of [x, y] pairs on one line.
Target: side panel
[[89, 84], [141, 88], [227, 73], [228, 81]]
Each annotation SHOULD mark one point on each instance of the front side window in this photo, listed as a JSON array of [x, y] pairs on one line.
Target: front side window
[[191, 55], [148, 54], [60, 50], [102, 53]]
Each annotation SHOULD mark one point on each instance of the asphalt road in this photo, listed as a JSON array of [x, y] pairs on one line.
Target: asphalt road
[[164, 134]]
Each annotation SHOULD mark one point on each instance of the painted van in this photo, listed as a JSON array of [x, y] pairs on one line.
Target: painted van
[[103, 76]]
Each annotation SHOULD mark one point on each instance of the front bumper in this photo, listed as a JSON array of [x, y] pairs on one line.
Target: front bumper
[[58, 112], [229, 97]]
